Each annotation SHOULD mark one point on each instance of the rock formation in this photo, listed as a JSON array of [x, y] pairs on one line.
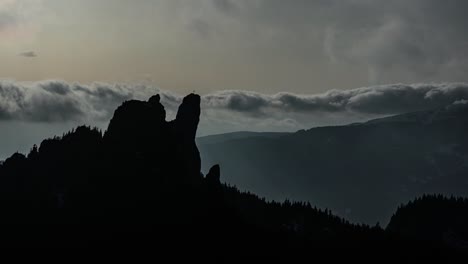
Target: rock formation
[[139, 130], [214, 175]]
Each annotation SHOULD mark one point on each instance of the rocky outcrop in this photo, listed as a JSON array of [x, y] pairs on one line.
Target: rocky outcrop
[[140, 156], [134, 122], [214, 175], [139, 132]]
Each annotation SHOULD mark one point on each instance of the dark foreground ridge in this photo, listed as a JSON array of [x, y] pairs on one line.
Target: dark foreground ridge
[[139, 186]]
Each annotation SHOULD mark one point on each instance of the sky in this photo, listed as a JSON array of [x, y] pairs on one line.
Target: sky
[[263, 65]]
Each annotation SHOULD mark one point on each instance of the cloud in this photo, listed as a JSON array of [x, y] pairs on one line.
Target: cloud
[[59, 101], [28, 54], [228, 111], [461, 102], [381, 100], [20, 17], [226, 5], [404, 41], [6, 21]]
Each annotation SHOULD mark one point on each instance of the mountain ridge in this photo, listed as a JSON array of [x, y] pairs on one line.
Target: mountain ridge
[[411, 157], [139, 186]]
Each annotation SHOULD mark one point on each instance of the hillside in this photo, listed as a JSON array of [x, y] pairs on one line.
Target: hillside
[[360, 171]]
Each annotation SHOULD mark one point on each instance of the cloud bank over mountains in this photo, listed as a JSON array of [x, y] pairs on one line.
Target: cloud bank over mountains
[[31, 111], [381, 100], [58, 101]]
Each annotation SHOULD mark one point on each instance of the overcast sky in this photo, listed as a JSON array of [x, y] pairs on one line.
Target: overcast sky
[[304, 46], [287, 64]]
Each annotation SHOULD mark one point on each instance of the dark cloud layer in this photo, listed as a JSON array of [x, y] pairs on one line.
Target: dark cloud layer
[[382, 100], [58, 101]]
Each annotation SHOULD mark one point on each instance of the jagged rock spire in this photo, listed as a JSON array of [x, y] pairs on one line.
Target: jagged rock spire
[[188, 115]]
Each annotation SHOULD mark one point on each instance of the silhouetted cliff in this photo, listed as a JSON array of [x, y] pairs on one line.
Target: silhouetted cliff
[[140, 130]]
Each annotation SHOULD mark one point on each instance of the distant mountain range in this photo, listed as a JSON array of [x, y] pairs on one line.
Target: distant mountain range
[[238, 135], [361, 171]]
